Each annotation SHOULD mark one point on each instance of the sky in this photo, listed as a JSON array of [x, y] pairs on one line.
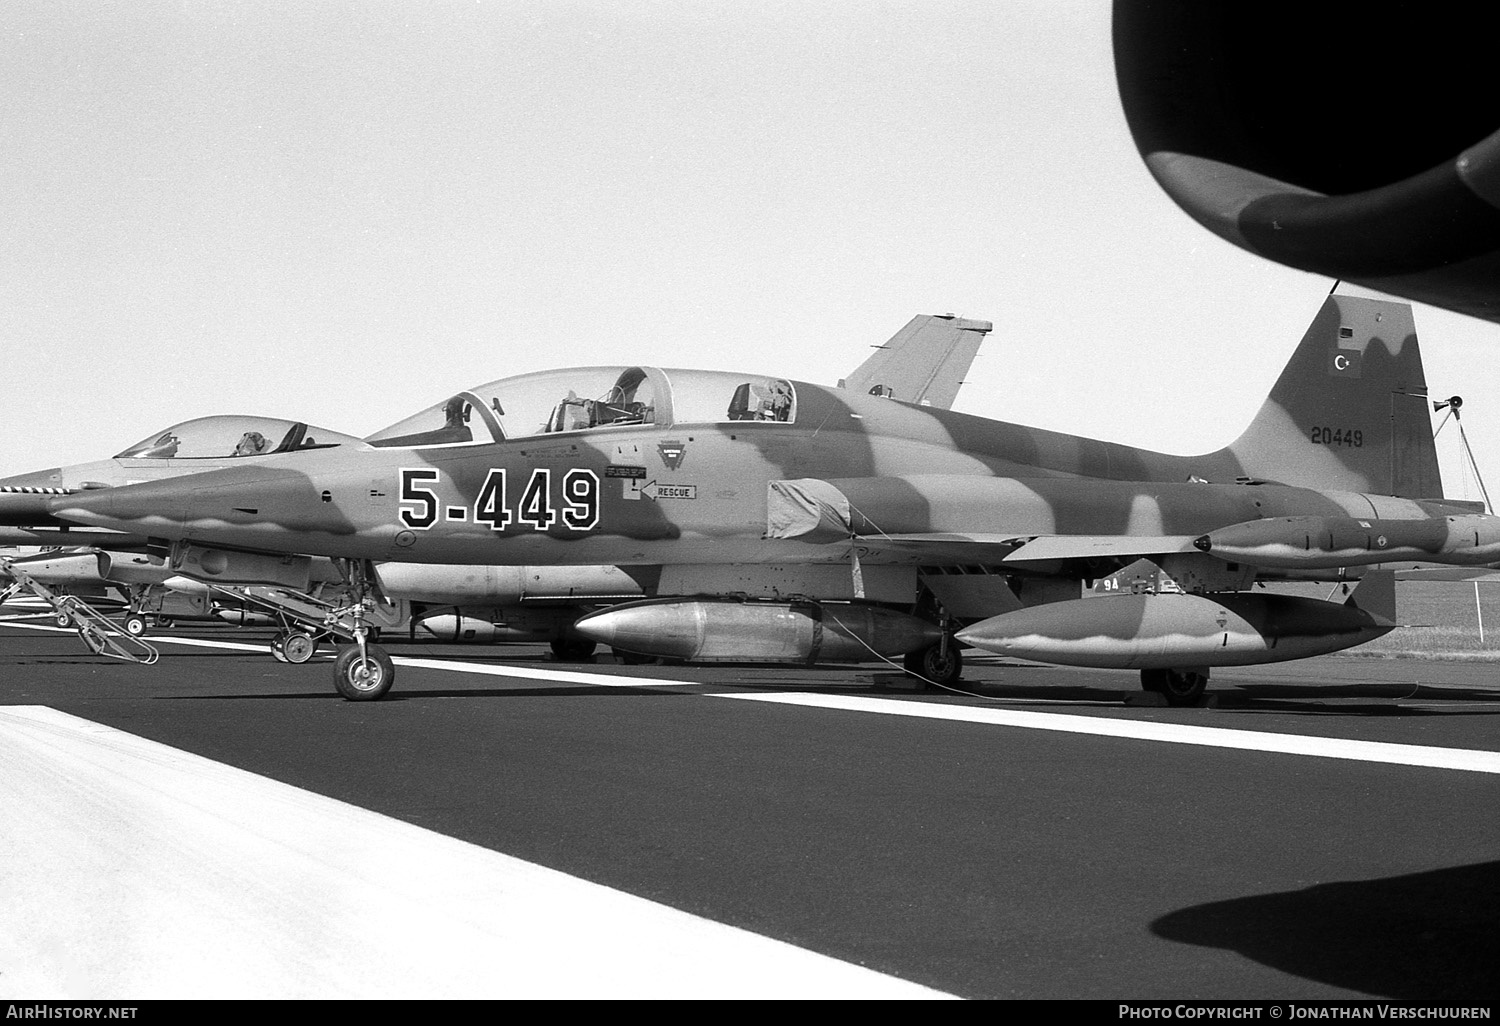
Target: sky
[[344, 211]]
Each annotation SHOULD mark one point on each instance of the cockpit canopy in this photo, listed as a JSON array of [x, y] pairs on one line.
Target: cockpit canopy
[[230, 437], [588, 398]]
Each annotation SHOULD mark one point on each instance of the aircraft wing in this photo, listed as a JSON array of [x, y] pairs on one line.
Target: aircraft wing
[[1020, 550], [1456, 574], [924, 362], [821, 511]]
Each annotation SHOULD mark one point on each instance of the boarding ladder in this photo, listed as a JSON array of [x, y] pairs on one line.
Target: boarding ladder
[[99, 632]]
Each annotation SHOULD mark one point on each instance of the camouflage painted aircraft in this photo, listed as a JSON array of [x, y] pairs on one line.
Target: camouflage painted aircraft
[[793, 522], [924, 363]]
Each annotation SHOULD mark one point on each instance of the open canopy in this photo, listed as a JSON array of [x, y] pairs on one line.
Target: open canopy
[[589, 398]]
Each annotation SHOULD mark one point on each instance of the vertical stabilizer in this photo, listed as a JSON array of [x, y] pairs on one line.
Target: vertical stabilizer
[[1350, 410], [925, 362]]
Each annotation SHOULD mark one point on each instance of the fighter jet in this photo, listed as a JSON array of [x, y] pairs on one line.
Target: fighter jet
[[924, 363], [794, 522]]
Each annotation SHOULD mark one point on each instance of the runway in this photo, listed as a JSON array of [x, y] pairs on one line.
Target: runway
[[502, 825]]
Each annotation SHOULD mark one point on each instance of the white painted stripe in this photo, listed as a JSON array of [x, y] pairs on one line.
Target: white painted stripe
[[1141, 730], [129, 869], [603, 680], [1145, 730]]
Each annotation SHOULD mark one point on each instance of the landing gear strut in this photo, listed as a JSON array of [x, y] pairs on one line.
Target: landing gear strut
[[362, 671]]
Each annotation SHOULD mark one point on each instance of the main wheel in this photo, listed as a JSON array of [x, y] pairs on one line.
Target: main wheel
[[573, 650], [363, 680], [932, 665], [135, 625], [634, 658], [298, 647], [1183, 687]]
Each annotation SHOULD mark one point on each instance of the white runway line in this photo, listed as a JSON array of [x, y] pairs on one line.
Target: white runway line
[[1469, 760], [130, 869], [1145, 730]]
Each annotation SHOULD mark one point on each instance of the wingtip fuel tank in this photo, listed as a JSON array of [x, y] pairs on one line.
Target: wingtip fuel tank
[[1158, 631]]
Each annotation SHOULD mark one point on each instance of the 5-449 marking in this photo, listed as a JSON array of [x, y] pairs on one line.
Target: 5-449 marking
[[574, 504]]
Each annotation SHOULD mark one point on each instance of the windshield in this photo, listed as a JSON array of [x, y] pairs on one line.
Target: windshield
[[230, 437], [588, 398]]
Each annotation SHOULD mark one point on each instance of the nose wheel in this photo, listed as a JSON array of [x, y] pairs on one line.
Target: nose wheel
[[363, 676]]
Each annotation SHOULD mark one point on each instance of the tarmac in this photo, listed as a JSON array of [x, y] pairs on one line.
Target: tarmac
[[503, 825]]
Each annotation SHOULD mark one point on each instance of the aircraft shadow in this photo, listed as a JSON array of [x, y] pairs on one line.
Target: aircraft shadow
[[1357, 700], [1421, 937]]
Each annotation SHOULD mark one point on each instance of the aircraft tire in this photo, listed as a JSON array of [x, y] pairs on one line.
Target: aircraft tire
[[135, 626], [1183, 687], [931, 665], [573, 650], [363, 681], [298, 647]]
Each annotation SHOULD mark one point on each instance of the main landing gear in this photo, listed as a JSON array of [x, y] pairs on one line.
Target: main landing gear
[[939, 663], [573, 650], [1177, 686]]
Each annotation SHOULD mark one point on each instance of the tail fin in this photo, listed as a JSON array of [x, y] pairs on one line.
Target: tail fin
[[924, 362], [1350, 410]]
